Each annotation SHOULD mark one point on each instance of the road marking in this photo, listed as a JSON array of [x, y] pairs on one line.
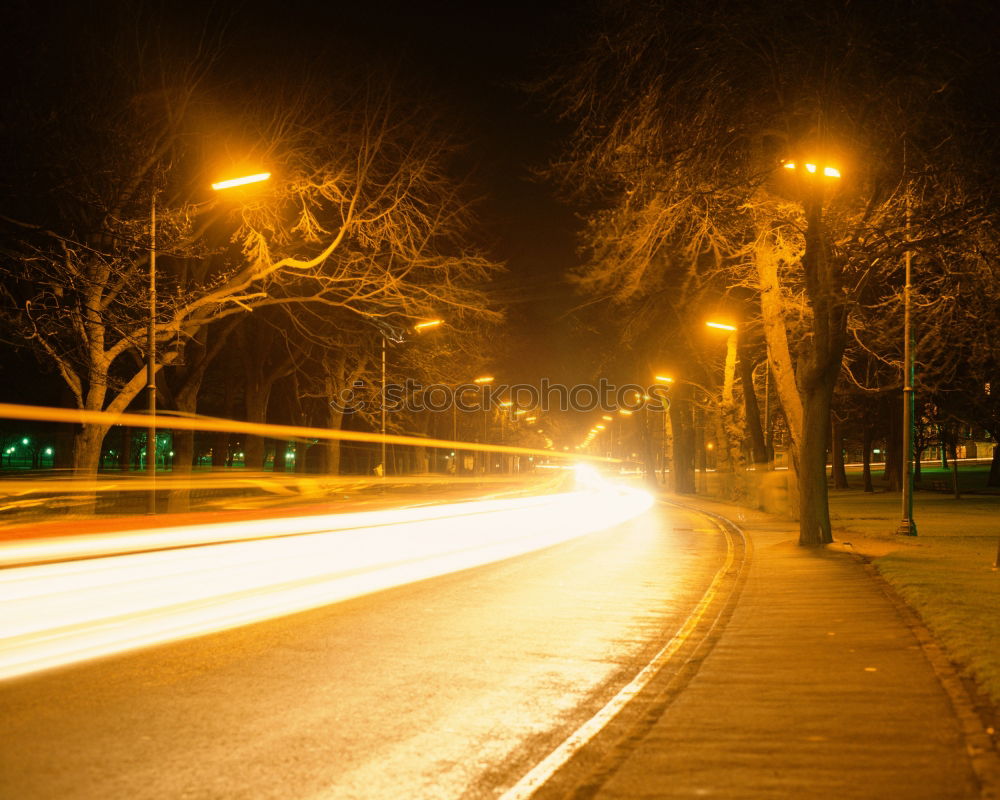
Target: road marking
[[546, 768]]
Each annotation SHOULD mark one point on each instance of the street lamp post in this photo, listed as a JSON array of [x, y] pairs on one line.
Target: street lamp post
[[151, 361], [386, 331], [382, 462], [483, 382], [907, 526], [151, 369], [728, 406], [664, 379], [729, 375]]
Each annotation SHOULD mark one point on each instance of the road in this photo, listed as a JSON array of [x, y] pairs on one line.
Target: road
[[455, 686]]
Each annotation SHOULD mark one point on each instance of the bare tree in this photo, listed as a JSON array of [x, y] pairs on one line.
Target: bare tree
[[363, 216], [685, 118]]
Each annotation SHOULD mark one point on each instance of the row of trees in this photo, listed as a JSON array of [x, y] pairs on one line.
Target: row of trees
[[364, 229], [685, 117]]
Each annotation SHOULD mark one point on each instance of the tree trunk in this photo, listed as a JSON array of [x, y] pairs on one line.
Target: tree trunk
[[837, 454], [782, 369], [87, 443], [776, 334], [729, 431], [751, 408], [994, 478], [302, 457], [648, 456], [814, 516], [257, 397], [220, 450], [280, 463], [666, 447], [727, 463], [334, 421], [894, 447], [682, 444], [866, 458], [179, 497], [125, 456], [953, 446]]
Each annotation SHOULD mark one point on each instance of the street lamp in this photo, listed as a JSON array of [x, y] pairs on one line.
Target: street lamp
[[151, 331], [420, 327], [812, 169], [664, 379], [729, 376], [151, 361], [484, 381], [388, 332], [907, 526], [243, 181]]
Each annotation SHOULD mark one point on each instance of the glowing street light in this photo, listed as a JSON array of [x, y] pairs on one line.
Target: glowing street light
[[243, 181], [828, 172], [722, 326], [484, 380], [151, 331], [431, 323], [664, 378], [387, 332]]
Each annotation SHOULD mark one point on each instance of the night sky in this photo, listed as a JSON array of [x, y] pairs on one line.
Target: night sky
[[475, 60]]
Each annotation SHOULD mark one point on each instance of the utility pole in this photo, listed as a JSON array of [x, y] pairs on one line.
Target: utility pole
[[151, 361], [907, 526], [384, 465]]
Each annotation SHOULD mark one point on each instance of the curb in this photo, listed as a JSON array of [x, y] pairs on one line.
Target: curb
[[595, 763]]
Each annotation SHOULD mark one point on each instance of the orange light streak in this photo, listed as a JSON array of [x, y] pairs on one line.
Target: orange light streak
[[192, 423]]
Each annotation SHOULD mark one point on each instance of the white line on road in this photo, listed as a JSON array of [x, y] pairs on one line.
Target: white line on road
[[546, 768]]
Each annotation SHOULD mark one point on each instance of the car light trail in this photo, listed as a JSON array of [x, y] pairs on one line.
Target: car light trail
[[61, 613]]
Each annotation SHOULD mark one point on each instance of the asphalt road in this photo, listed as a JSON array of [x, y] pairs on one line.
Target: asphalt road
[[450, 687]]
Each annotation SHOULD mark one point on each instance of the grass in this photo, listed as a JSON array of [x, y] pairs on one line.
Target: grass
[[946, 572]]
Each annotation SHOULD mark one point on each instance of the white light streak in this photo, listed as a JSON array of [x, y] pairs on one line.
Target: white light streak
[[61, 613]]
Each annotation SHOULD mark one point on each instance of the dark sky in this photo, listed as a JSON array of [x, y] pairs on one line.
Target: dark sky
[[477, 58]]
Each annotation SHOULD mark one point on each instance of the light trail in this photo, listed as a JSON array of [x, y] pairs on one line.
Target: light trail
[[27, 494], [62, 613], [75, 547], [200, 423]]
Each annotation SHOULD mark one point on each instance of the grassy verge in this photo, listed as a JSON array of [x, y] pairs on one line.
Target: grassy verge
[[946, 572]]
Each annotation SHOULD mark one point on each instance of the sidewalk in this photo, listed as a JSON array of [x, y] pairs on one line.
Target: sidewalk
[[816, 688]]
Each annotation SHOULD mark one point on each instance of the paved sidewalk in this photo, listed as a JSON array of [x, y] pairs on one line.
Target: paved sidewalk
[[816, 688]]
